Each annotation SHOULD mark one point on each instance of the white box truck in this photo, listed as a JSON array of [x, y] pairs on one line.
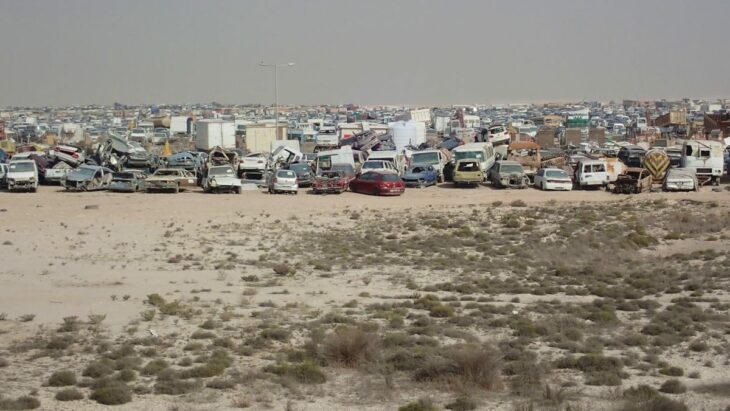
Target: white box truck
[[211, 133]]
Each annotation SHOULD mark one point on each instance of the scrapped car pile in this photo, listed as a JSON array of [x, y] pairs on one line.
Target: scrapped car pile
[[368, 163]]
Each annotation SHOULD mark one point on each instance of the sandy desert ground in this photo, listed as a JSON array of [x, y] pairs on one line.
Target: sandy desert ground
[[465, 298]]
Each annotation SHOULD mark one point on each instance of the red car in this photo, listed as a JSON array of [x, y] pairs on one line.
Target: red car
[[330, 182], [378, 183]]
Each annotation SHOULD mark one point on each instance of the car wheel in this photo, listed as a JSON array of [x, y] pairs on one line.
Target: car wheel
[[440, 178]]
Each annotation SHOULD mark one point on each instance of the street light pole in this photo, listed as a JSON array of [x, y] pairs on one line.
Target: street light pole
[[276, 91]]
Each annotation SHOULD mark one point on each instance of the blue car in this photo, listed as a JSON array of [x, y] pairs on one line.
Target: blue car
[[420, 175]]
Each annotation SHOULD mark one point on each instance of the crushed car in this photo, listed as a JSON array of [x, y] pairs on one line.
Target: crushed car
[[634, 181], [680, 179], [88, 178], [170, 179], [127, 181], [222, 179], [330, 182], [468, 172], [420, 175], [508, 174]]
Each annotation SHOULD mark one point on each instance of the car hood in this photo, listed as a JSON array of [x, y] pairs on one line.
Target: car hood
[[414, 175], [225, 179], [77, 177]]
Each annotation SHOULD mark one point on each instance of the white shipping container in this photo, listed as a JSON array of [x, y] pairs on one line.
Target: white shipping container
[[178, 125], [212, 133]]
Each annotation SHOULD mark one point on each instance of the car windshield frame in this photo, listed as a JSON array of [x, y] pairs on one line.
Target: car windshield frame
[[21, 167], [425, 158], [511, 168]]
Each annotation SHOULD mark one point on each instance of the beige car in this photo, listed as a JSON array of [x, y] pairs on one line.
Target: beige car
[[170, 179]]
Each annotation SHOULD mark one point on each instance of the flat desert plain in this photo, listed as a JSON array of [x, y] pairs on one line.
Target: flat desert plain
[[442, 298]]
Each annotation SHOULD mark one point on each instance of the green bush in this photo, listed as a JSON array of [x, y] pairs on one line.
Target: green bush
[[62, 378], [69, 394], [306, 372], [21, 403], [112, 392], [673, 386], [420, 405], [99, 369], [154, 367], [672, 371]]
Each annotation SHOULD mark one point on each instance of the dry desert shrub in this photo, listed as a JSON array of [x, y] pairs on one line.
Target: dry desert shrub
[[69, 394], [62, 378], [463, 366], [21, 403], [349, 346]]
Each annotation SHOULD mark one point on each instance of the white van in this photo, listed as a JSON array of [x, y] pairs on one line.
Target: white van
[[591, 173], [482, 152], [22, 175]]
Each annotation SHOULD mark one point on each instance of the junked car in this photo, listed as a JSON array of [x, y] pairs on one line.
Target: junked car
[[127, 181], [378, 165], [553, 178], [170, 179], [283, 181], [420, 175], [680, 179], [508, 174], [468, 171], [634, 181], [330, 182], [22, 175], [222, 179], [305, 176], [88, 178], [378, 183]]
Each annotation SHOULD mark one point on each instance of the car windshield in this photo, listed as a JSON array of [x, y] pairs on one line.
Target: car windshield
[[86, 172], [369, 165], [556, 174], [459, 155], [417, 169], [123, 176], [285, 174], [21, 167], [220, 171], [166, 173], [299, 168], [390, 177], [426, 158], [511, 168]]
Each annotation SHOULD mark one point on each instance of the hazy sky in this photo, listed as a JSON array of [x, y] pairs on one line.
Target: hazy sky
[[366, 51]]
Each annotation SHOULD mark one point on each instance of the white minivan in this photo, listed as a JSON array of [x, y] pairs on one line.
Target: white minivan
[[591, 173], [433, 157], [482, 152], [22, 175]]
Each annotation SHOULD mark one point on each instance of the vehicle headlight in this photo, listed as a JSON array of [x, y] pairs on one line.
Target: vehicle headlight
[[32, 180], [213, 182]]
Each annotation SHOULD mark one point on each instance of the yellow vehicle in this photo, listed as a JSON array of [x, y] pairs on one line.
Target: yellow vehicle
[[468, 171]]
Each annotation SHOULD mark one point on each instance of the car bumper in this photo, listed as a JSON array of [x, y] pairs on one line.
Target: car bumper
[[160, 185], [286, 187], [558, 186], [121, 187], [679, 186], [391, 191], [21, 185]]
